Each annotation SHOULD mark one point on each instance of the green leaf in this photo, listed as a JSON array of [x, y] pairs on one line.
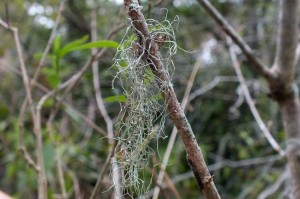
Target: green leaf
[[123, 64], [57, 44], [76, 42], [56, 51], [116, 98], [128, 42], [68, 48], [37, 56], [54, 80], [95, 44], [49, 103]]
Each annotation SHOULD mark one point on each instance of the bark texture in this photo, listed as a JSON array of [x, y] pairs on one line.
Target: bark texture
[[150, 47]]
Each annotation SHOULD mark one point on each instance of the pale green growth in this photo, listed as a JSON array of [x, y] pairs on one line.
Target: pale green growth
[[142, 118]]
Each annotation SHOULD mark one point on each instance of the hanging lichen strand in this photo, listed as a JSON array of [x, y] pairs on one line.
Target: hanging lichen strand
[[143, 115]]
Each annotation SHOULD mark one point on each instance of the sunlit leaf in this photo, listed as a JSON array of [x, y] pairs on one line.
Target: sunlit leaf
[[77, 42], [96, 44], [117, 98]]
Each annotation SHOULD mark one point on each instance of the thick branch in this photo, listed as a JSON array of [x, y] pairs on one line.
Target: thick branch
[[194, 154], [229, 30], [284, 65]]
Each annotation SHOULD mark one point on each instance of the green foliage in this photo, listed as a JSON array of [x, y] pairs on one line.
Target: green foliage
[[116, 98], [223, 134], [59, 51]]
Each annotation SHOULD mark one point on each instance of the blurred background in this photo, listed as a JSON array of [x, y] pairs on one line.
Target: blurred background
[[243, 163]]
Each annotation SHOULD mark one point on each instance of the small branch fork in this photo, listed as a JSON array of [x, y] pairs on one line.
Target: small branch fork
[[280, 75], [194, 154]]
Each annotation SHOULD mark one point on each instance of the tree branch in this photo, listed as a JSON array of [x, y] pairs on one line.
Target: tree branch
[[229, 30], [250, 102], [174, 131], [105, 115], [42, 179], [284, 64], [194, 154]]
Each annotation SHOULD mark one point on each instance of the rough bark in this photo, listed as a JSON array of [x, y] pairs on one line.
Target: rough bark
[[194, 154]]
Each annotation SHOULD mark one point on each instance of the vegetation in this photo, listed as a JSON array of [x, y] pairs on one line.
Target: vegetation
[[85, 110]]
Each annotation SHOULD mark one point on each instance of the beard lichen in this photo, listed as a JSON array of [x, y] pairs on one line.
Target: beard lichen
[[143, 114]]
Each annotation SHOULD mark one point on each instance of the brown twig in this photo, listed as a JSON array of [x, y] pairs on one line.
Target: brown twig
[[171, 186]]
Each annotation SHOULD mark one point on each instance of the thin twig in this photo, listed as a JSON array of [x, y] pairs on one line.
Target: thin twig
[[250, 102], [50, 41], [96, 81], [97, 187], [65, 103], [211, 85], [172, 187], [274, 186], [60, 172], [22, 147], [76, 186], [103, 112], [42, 179], [224, 163]]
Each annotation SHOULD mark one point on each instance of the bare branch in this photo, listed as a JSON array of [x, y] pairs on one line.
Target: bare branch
[[103, 111], [60, 171], [102, 172], [284, 65], [274, 186], [96, 81], [42, 179], [211, 85], [229, 30], [250, 102]]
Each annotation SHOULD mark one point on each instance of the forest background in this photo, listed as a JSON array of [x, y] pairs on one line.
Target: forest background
[[75, 126]]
